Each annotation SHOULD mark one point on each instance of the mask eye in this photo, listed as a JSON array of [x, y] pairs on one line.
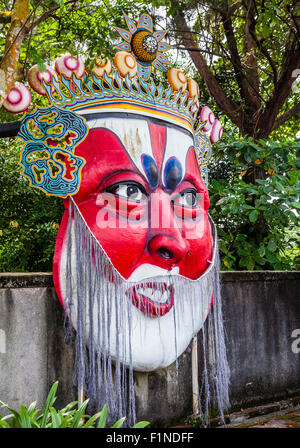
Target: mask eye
[[130, 191], [187, 198]]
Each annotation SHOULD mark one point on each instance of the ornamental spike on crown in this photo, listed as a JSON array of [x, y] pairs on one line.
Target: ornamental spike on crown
[[145, 45]]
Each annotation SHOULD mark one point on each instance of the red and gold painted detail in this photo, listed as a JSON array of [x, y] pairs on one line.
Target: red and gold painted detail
[[68, 163], [62, 142]]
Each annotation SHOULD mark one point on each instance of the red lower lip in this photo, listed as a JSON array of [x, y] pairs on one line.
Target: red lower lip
[[148, 306]]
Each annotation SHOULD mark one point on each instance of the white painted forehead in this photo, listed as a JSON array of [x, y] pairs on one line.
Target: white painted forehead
[[135, 136]]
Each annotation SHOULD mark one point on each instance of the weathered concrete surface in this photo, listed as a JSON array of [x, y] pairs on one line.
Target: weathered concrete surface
[[261, 311], [281, 414], [33, 354]]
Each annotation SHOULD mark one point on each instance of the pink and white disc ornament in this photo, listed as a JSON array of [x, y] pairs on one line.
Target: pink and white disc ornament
[[216, 132], [35, 78], [18, 99], [67, 65], [207, 115]]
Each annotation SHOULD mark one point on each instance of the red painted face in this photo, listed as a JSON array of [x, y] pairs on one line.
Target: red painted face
[[143, 198]]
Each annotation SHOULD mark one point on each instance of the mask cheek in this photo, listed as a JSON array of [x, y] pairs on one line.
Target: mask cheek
[[187, 213], [198, 234], [122, 239]]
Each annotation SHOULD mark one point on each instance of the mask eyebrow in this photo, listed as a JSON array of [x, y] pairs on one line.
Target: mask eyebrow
[[197, 185], [172, 173], [150, 169]]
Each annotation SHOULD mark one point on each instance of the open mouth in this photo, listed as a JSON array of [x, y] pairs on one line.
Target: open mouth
[[152, 298]]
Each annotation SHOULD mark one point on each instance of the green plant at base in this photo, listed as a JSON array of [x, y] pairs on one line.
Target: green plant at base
[[49, 417]]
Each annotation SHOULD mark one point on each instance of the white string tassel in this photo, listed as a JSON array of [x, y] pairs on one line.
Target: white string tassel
[[99, 307]]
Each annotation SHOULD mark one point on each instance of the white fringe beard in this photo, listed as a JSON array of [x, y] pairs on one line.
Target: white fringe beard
[[107, 325]]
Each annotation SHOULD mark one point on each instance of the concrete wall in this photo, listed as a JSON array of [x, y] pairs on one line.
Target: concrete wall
[[262, 316]]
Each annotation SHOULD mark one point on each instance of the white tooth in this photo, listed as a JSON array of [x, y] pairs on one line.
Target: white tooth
[[165, 297], [155, 295]]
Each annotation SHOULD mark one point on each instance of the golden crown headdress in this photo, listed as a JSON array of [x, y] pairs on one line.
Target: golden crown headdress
[[75, 92]]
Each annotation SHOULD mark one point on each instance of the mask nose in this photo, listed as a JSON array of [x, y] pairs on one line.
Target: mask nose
[[166, 244], [167, 250]]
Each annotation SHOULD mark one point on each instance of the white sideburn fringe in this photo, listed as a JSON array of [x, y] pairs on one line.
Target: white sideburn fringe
[[103, 308]]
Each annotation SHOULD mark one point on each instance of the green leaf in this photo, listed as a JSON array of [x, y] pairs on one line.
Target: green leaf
[[55, 419], [91, 421], [295, 204], [250, 264], [253, 216], [69, 406], [24, 420], [102, 419], [49, 402], [31, 408], [265, 31], [234, 209], [272, 246], [271, 257], [78, 415], [141, 424], [222, 201], [119, 423], [261, 181]]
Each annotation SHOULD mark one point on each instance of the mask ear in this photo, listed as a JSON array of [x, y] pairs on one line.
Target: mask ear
[[51, 135], [195, 172], [203, 153]]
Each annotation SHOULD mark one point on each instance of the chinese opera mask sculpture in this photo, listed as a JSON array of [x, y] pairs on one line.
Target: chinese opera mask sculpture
[[135, 264], [143, 199]]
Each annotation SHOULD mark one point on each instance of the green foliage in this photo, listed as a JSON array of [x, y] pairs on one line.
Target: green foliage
[[68, 417], [29, 219], [257, 222], [78, 26]]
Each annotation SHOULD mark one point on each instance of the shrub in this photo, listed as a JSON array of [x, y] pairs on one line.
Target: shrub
[[49, 417], [257, 221], [29, 219]]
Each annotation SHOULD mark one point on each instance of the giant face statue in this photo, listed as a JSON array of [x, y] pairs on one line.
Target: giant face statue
[[143, 199], [135, 264]]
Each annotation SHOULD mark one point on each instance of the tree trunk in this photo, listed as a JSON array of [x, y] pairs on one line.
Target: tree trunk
[[17, 31]]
